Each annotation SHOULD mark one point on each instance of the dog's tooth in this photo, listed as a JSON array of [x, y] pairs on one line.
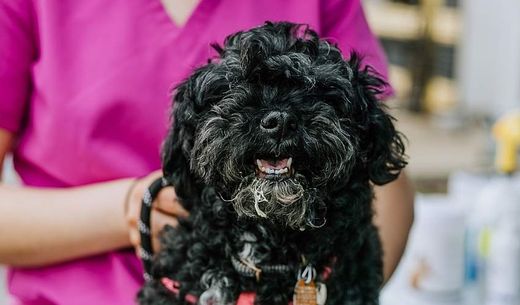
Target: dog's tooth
[[284, 170], [259, 163], [270, 171], [277, 171], [263, 169], [289, 162]]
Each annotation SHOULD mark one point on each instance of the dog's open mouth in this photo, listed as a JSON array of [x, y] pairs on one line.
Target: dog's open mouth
[[274, 168]]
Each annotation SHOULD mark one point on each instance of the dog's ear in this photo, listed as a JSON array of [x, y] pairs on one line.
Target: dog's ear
[[178, 142], [192, 97], [382, 146]]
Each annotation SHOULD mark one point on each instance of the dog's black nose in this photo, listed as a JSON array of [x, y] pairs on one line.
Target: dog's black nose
[[278, 123]]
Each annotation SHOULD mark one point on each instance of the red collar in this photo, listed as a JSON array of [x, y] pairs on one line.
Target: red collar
[[174, 286], [245, 297]]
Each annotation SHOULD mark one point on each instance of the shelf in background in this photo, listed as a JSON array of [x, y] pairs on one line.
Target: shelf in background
[[406, 22]]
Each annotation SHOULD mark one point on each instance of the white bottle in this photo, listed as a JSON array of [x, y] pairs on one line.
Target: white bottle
[[498, 199], [499, 210], [503, 274]]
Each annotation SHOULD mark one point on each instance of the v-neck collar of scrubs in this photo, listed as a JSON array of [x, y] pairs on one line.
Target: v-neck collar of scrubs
[[197, 19]]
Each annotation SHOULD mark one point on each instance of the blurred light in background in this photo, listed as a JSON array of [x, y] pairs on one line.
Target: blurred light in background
[[455, 65], [456, 68]]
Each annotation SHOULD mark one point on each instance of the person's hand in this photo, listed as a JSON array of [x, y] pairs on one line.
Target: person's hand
[[166, 210]]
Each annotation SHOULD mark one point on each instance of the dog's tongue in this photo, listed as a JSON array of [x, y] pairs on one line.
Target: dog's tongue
[[274, 164]]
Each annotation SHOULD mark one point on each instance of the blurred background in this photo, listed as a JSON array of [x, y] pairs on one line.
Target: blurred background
[[455, 66], [455, 71]]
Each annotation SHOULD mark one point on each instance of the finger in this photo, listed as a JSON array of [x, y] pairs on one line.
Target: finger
[[153, 176], [135, 238], [156, 244], [136, 195], [139, 188], [168, 203], [134, 207], [159, 220]]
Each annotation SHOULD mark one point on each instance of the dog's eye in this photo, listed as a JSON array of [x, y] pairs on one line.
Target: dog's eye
[[250, 109], [339, 106], [322, 107]]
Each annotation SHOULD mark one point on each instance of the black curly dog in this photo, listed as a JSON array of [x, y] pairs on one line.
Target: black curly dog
[[273, 150]]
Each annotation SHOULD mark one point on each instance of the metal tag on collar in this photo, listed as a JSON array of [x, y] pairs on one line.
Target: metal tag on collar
[[307, 291]]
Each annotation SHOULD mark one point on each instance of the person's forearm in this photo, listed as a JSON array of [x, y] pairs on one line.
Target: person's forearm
[[45, 226], [394, 214]]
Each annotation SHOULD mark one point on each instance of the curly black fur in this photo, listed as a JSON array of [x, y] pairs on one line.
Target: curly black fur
[[340, 138]]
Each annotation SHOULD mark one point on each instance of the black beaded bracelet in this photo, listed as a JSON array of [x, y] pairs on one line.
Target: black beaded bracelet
[[145, 250]]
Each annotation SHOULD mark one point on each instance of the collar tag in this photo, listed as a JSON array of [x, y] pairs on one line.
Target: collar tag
[[307, 291]]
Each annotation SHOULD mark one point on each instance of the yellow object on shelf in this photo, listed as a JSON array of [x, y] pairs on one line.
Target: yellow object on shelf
[[483, 242], [507, 134]]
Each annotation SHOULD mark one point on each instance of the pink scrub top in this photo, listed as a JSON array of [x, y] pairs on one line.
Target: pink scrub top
[[85, 85]]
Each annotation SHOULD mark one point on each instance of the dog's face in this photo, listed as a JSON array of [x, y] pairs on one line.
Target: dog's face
[[278, 122]]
